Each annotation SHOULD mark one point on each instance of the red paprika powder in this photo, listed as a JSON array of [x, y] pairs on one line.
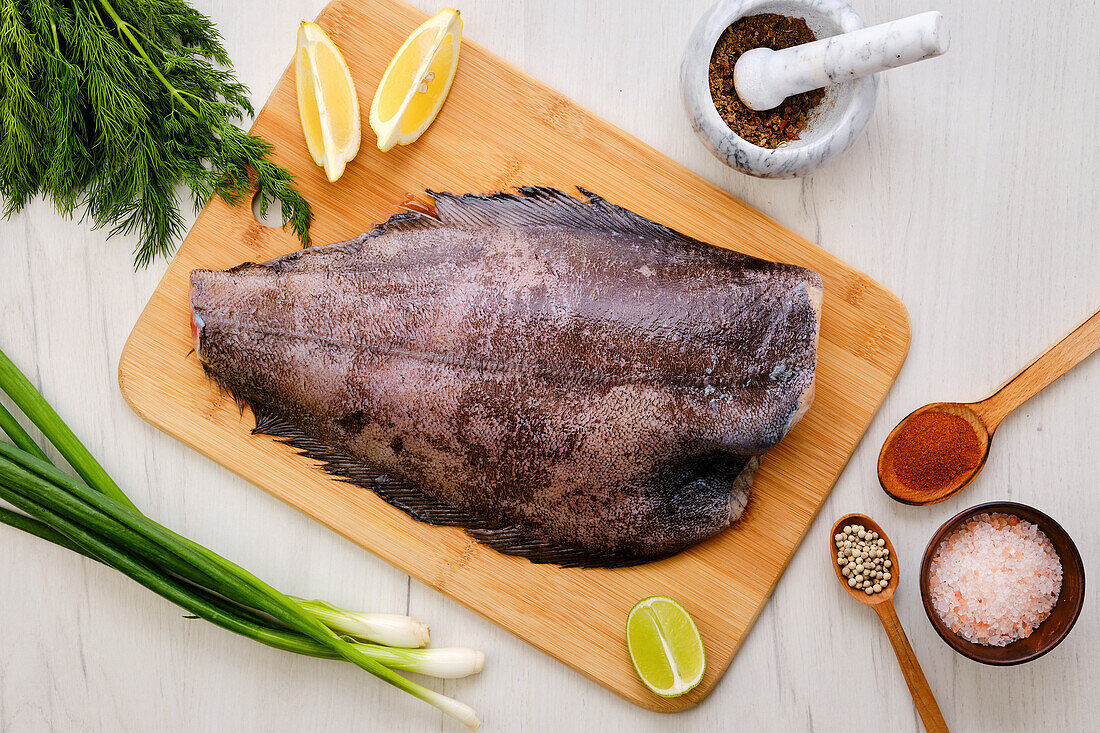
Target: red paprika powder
[[933, 450]]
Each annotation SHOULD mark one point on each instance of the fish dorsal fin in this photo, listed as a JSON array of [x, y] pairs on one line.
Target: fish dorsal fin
[[406, 498], [510, 539], [532, 206]]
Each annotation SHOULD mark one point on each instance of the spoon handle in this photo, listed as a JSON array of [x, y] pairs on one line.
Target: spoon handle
[[923, 698], [1044, 369]]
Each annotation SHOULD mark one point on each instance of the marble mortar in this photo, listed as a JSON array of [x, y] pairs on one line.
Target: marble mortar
[[833, 127]]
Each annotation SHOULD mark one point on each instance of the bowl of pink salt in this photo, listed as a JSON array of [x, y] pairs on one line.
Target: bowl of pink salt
[[1002, 583]]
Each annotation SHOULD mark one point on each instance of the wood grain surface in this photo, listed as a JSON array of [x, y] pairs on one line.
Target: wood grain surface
[[972, 195], [1073, 348], [501, 128]]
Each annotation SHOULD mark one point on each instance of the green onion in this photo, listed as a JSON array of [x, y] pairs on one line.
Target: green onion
[[95, 518], [381, 628], [18, 435], [35, 407], [145, 574], [445, 663], [38, 529]]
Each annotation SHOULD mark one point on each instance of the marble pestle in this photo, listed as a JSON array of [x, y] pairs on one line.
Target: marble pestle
[[763, 78]]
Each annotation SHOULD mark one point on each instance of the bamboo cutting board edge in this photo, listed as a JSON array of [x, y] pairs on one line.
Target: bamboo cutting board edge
[[456, 565]]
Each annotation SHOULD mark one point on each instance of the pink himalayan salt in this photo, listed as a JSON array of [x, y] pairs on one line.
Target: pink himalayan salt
[[995, 579]]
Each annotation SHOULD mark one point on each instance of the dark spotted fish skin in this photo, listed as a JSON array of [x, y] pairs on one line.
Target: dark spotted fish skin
[[566, 380]]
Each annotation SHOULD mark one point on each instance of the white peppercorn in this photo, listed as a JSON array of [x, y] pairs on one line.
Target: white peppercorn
[[863, 558]]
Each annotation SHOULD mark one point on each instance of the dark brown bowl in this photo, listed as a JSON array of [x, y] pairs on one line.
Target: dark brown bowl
[[1062, 617]]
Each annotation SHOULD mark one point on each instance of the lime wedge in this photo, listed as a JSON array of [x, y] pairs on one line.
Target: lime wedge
[[665, 646]]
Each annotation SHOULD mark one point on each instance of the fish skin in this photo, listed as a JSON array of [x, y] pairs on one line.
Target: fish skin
[[566, 380]]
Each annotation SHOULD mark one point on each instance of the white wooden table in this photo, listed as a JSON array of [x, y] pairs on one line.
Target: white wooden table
[[973, 195]]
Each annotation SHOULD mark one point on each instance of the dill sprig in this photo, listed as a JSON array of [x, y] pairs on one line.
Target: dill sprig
[[116, 105]]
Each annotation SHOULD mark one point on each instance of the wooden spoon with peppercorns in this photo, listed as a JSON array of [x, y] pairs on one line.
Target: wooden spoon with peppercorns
[[938, 449], [882, 601]]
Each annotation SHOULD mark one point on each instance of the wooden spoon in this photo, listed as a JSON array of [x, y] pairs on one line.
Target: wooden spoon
[[985, 416], [883, 604]]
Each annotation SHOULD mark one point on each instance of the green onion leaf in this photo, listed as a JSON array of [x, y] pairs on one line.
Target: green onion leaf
[[39, 412]]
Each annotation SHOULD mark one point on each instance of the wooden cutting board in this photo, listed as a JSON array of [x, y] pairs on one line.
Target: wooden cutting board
[[502, 128]]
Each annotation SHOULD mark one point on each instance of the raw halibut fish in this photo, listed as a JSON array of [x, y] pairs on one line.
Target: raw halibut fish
[[564, 379]]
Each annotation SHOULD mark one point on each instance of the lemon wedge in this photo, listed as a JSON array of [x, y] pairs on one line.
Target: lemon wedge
[[665, 646], [416, 82], [327, 102]]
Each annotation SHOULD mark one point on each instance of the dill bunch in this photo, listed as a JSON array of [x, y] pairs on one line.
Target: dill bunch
[[119, 107]]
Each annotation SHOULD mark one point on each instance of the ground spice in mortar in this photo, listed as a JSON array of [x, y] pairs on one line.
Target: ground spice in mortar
[[934, 449], [786, 122]]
